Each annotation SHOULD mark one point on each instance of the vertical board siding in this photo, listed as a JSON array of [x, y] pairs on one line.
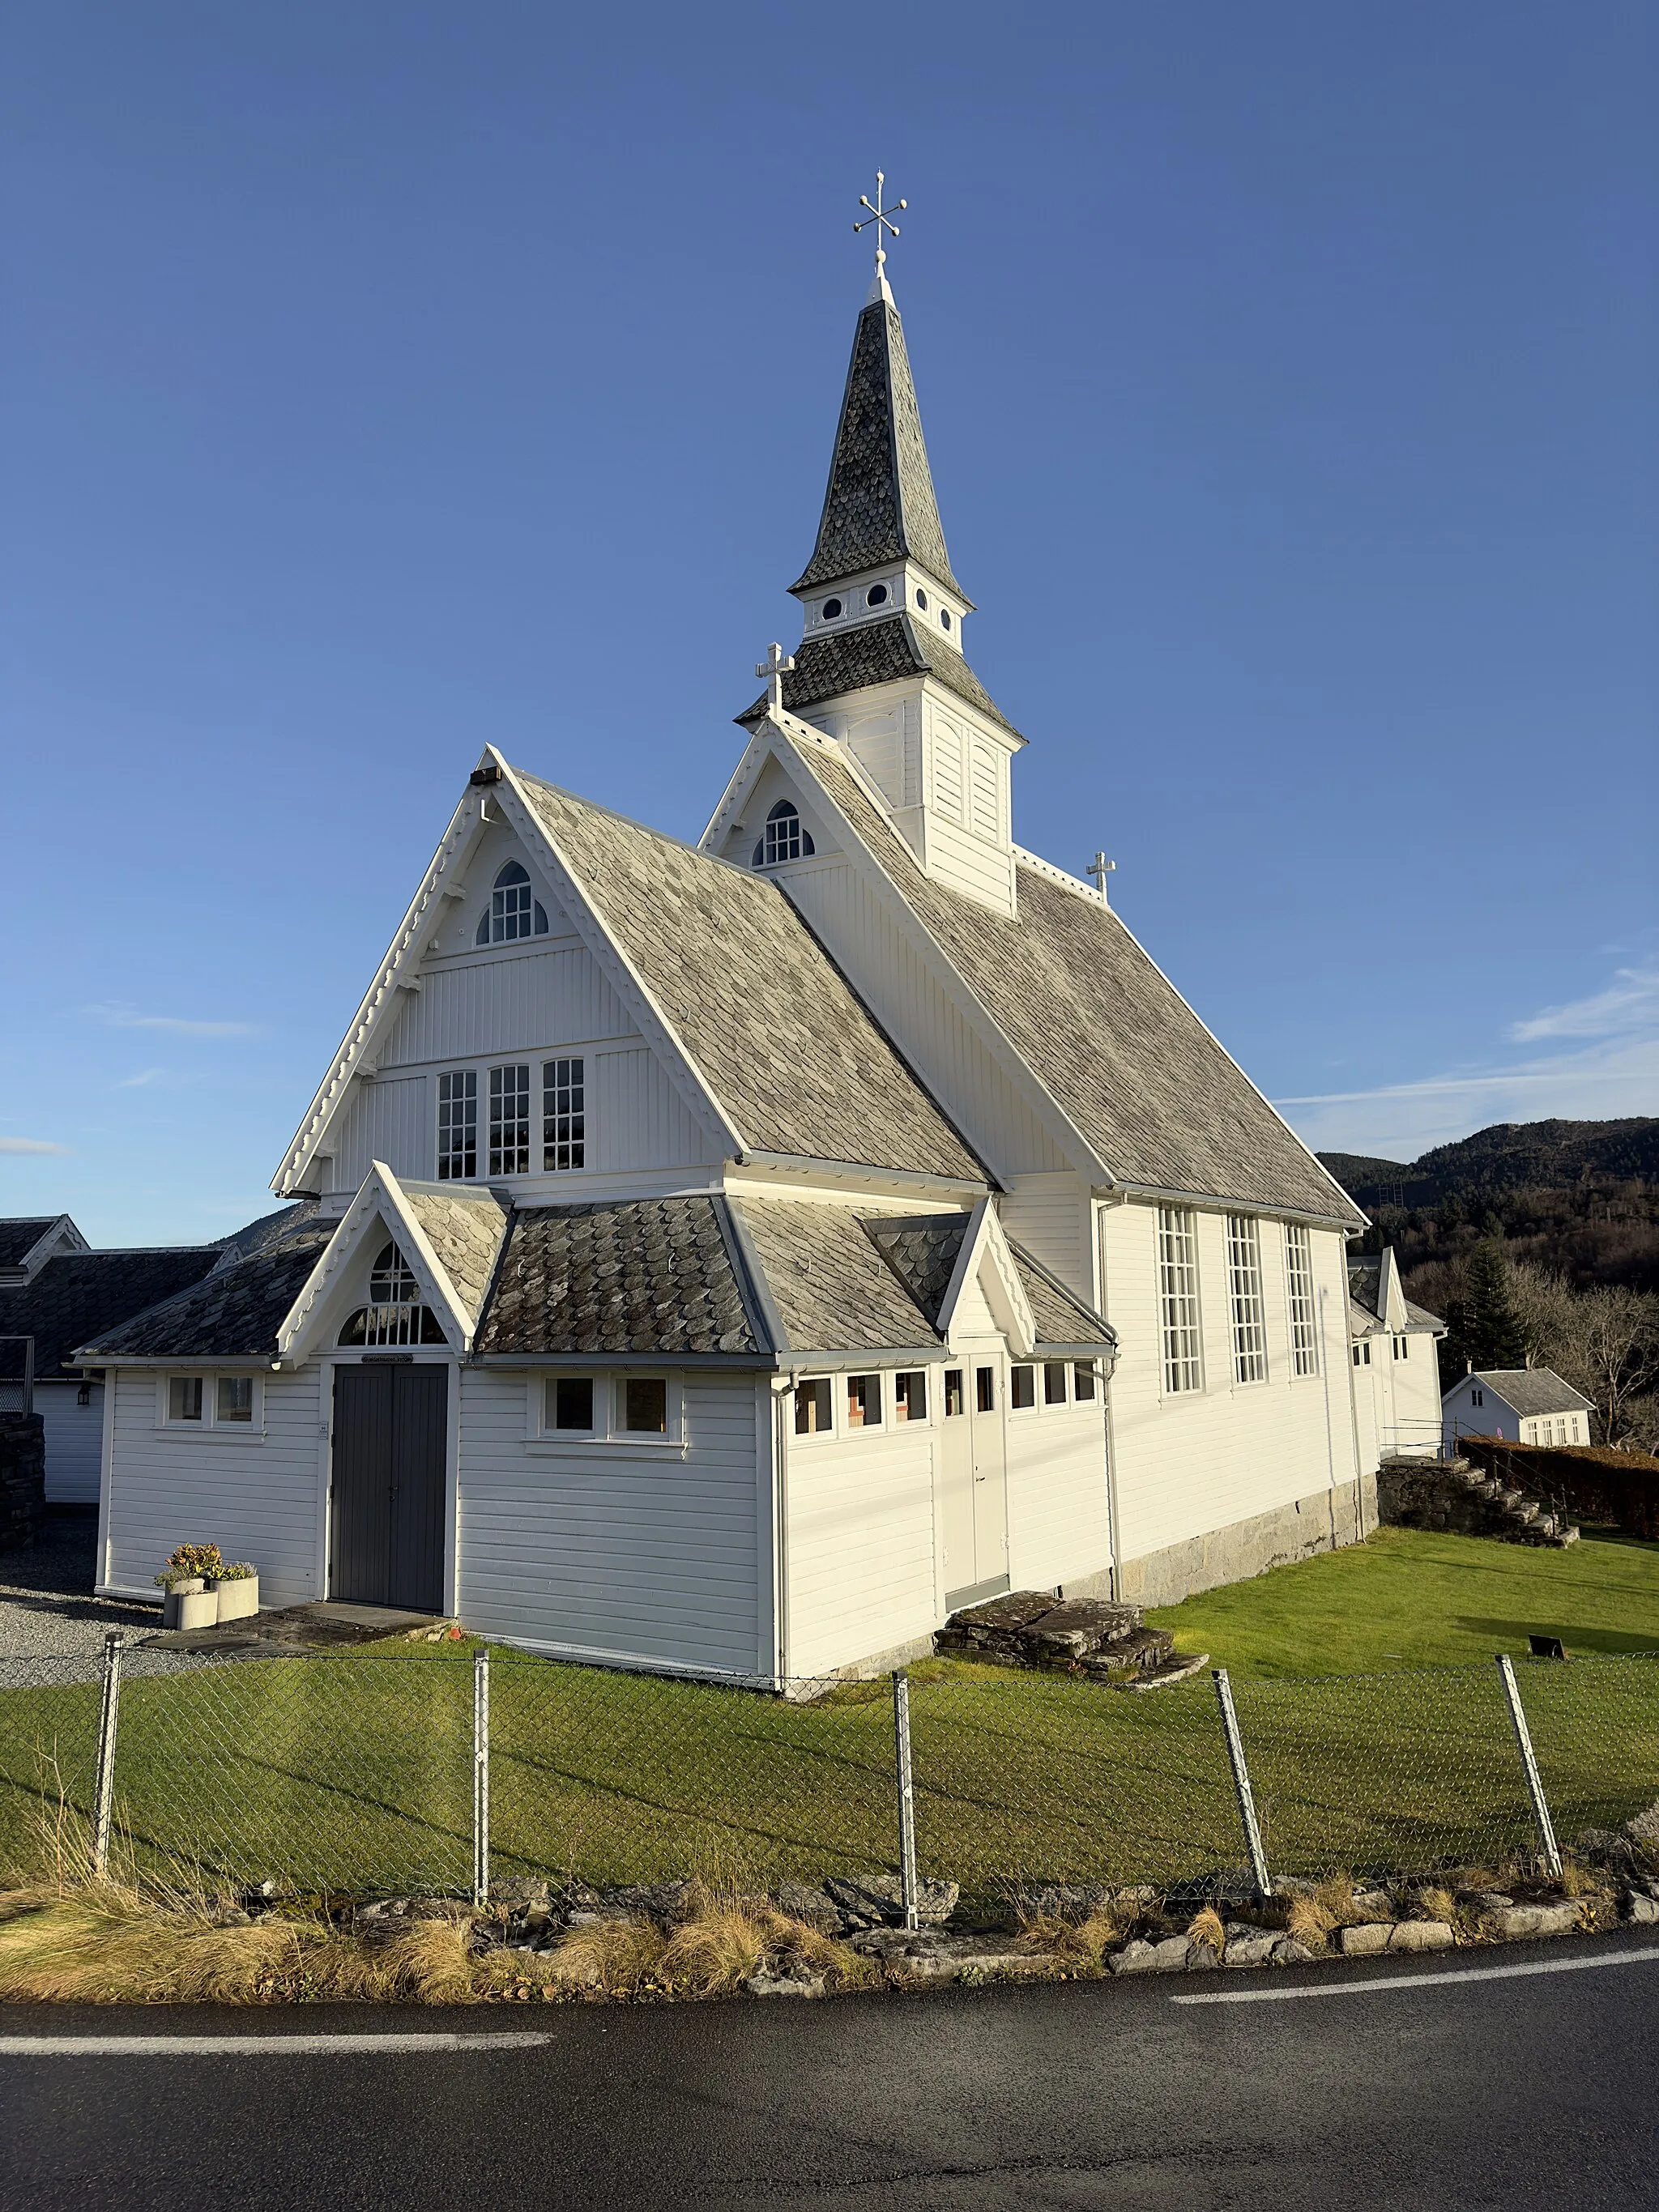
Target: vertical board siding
[[859, 1547], [1059, 1526], [393, 1122], [514, 1002], [256, 1500], [74, 1441], [608, 1556], [635, 1116]]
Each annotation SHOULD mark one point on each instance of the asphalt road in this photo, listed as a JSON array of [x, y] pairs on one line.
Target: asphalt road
[[1517, 2091]]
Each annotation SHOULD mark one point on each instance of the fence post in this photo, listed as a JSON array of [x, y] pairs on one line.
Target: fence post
[[1529, 1765], [481, 1776], [907, 1795], [1224, 1691], [103, 1787]]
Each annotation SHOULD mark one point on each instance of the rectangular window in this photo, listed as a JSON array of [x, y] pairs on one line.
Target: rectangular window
[[1022, 1388], [1403, 1346], [564, 1118], [1083, 1382], [570, 1403], [814, 1414], [985, 1389], [1249, 1309], [509, 1121], [1476, 1397], [1304, 1309], [1053, 1382], [1177, 1289], [955, 1395], [645, 1406], [457, 1125], [185, 1398], [864, 1401], [235, 1398], [910, 1397]]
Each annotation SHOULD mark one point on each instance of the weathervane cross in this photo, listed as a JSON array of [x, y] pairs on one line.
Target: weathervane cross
[[879, 216], [775, 667]]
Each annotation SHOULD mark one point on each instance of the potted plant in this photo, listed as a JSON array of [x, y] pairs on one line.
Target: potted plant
[[236, 1587], [188, 1602]]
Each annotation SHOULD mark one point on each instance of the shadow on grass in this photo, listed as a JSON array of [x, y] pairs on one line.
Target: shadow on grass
[[1607, 1642]]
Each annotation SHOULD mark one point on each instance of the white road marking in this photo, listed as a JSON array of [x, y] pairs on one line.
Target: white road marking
[[247, 2046], [1420, 1981]]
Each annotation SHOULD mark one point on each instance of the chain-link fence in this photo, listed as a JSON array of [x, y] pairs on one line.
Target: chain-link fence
[[445, 1771]]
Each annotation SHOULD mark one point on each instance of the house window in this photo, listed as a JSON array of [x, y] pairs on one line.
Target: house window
[[1304, 1311], [570, 1404], [514, 910], [784, 838], [985, 1389], [457, 1125], [394, 1314], [235, 1398], [1477, 1397], [814, 1409], [1244, 1288], [1177, 1286], [1083, 1380], [1403, 1346], [864, 1401], [509, 1121], [185, 1398], [645, 1406], [955, 1395], [1022, 1388], [1053, 1382], [564, 1119], [910, 1397]]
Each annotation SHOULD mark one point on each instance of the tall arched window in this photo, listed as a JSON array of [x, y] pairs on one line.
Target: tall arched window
[[394, 1314], [514, 911], [785, 839]]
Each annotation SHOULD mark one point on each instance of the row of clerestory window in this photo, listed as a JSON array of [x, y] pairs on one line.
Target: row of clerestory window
[[513, 1142], [1064, 1382], [1180, 1313]]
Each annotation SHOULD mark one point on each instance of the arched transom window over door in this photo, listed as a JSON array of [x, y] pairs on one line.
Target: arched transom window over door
[[784, 838], [395, 1313], [514, 910]]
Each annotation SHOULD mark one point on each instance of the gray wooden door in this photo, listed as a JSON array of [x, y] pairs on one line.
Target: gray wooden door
[[386, 1521]]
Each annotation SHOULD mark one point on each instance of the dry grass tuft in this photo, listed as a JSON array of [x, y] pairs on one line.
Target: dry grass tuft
[[1435, 1904], [1078, 1943], [1207, 1928], [1308, 1921]]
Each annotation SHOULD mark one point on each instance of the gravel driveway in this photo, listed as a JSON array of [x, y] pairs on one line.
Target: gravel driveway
[[53, 1628]]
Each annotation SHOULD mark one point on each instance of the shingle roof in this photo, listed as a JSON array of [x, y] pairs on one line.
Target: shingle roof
[[1365, 1285], [19, 1237], [833, 1289], [922, 1250], [879, 503], [834, 661], [465, 1228], [233, 1315], [77, 1294], [795, 1060], [1125, 1058], [641, 1275], [1529, 1390], [1063, 1322]]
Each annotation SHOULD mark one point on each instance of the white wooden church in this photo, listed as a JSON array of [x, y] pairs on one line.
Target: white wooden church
[[736, 1256]]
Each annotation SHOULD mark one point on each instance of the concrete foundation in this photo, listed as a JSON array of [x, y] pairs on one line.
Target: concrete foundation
[[1321, 1522]]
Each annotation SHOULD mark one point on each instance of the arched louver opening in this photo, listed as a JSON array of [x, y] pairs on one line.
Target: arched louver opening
[[785, 839], [394, 1314], [514, 910]]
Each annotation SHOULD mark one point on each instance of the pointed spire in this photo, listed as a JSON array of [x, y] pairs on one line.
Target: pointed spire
[[879, 505]]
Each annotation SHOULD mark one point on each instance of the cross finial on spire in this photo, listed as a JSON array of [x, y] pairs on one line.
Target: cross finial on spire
[[775, 667], [879, 216], [1100, 867]]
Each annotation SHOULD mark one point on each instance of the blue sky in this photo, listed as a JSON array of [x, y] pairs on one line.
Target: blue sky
[[380, 381]]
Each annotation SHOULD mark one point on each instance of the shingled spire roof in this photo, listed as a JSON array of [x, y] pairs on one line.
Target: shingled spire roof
[[879, 505]]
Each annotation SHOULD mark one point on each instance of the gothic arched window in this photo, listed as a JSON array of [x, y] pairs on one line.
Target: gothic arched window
[[514, 911], [785, 839], [394, 1314]]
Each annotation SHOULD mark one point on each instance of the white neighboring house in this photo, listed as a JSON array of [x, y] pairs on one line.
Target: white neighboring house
[[1523, 1405], [1396, 1373], [718, 1257]]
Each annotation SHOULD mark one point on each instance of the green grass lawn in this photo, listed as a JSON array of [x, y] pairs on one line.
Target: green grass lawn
[[354, 1772], [1404, 1599]]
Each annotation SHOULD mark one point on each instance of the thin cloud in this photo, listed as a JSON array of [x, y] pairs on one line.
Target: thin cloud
[[1630, 1002], [29, 1144], [145, 1077], [127, 1018]]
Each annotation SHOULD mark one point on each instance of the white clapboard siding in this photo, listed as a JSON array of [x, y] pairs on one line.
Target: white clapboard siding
[[972, 861], [507, 1001], [859, 1549], [1200, 1461], [257, 1498], [1059, 1524], [1050, 1216], [885, 742], [391, 1119], [605, 1554], [73, 1442], [636, 1118]]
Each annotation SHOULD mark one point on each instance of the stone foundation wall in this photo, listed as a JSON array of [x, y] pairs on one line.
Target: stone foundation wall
[[1321, 1522], [23, 1479]]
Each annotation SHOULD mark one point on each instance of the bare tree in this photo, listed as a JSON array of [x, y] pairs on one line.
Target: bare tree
[[1604, 1341]]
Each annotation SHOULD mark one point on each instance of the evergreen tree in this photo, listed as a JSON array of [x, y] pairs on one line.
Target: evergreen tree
[[1483, 1327]]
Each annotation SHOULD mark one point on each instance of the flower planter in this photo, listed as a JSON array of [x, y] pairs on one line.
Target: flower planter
[[198, 1608], [237, 1596], [173, 1599]]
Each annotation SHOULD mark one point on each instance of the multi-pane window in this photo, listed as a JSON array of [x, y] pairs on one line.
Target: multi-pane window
[[514, 910], [1304, 1310], [564, 1118], [1178, 1292], [910, 1395], [783, 838], [1249, 1313], [864, 1401], [394, 1314], [1403, 1346], [509, 1121], [814, 1412], [457, 1125]]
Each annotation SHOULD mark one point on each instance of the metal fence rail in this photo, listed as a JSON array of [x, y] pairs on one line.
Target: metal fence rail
[[447, 1771]]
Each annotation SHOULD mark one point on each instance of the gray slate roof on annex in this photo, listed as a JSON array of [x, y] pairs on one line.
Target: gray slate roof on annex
[[1113, 1043], [233, 1315], [876, 653], [879, 503], [19, 1236], [921, 1249], [465, 1231], [1529, 1391], [833, 1289], [77, 1294], [1366, 1284], [639, 1275], [1060, 1317], [791, 1052]]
